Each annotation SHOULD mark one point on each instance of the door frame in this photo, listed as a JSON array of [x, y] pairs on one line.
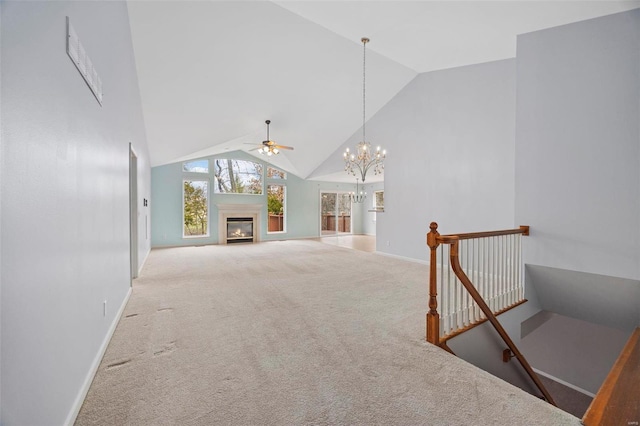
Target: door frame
[[133, 213], [338, 193]]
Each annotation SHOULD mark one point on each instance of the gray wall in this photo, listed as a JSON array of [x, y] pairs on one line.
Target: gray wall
[[578, 145], [609, 301], [65, 202], [577, 181], [450, 141], [1, 162], [482, 346], [366, 220]]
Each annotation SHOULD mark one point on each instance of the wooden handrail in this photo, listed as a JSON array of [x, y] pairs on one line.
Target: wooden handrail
[[455, 265], [524, 230], [433, 317], [434, 239], [616, 403]]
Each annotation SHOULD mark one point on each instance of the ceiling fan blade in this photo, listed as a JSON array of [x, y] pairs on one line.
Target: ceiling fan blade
[[283, 147]]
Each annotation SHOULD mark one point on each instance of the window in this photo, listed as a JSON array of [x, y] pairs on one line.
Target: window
[[275, 173], [237, 177], [335, 213], [195, 200], [197, 166], [378, 200], [276, 195]]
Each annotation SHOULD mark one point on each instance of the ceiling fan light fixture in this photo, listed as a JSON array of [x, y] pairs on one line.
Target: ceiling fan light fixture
[[269, 147]]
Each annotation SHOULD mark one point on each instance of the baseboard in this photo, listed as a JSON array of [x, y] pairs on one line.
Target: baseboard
[[408, 259], [562, 382], [75, 410], [146, 256]]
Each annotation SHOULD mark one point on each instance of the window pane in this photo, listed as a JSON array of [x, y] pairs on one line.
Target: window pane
[[328, 210], [379, 200], [344, 213], [237, 177], [275, 173], [276, 207], [196, 208], [198, 166]]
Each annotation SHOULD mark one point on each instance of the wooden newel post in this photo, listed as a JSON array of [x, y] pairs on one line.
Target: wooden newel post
[[433, 318]]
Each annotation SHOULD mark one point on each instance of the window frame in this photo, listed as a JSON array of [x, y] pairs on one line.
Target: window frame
[[193, 171], [375, 200], [208, 202], [214, 178], [284, 205], [284, 174]]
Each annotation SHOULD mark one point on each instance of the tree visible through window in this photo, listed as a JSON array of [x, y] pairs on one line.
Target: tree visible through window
[[276, 207], [275, 173], [196, 208], [237, 177]]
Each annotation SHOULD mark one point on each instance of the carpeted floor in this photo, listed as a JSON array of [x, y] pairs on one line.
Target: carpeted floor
[[290, 333]]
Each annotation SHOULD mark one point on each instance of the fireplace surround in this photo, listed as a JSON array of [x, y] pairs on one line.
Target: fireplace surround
[[246, 212]]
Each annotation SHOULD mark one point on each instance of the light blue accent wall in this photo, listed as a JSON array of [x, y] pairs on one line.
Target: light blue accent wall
[[302, 204]]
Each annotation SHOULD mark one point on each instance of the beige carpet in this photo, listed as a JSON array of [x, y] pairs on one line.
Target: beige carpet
[[290, 333]]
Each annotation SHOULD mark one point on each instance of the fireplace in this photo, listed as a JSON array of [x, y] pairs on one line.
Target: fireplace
[[239, 230], [229, 213]]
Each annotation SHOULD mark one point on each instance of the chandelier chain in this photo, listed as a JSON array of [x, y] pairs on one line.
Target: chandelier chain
[[364, 157], [364, 86]]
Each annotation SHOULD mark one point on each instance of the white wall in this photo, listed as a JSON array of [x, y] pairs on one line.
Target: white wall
[[578, 145], [65, 204], [450, 141], [1, 161], [369, 219]]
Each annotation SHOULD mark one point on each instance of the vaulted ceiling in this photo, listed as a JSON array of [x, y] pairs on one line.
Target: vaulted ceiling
[[212, 72]]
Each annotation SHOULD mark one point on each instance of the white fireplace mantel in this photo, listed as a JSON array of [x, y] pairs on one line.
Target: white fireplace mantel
[[238, 210]]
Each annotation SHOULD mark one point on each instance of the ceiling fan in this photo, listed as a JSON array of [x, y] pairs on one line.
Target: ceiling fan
[[269, 147]]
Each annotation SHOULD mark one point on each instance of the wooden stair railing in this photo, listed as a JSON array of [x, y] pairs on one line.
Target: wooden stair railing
[[434, 239], [618, 400]]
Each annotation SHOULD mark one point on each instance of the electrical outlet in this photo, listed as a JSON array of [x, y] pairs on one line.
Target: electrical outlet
[[388, 243], [104, 308]]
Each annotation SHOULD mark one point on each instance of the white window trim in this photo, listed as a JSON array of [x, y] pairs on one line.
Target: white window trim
[[279, 182], [207, 235]]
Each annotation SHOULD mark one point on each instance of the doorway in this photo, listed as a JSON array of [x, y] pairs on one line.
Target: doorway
[[335, 213], [133, 212]]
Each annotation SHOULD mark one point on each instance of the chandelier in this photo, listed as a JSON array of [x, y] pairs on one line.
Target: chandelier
[[364, 158], [359, 196]]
